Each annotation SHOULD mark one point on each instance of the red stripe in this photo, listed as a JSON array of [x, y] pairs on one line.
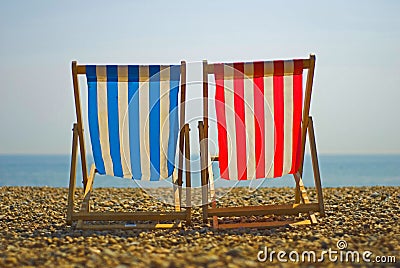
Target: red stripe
[[297, 114], [221, 120], [259, 118], [238, 86], [278, 117]]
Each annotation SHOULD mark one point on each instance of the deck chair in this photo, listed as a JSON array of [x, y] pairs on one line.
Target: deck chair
[[134, 129], [262, 124]]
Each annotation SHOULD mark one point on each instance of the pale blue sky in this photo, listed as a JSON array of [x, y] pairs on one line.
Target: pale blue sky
[[356, 93]]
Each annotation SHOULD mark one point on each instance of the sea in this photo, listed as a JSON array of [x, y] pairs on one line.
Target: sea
[[335, 170]]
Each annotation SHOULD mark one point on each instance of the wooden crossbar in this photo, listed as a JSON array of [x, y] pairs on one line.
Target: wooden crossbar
[[131, 226], [129, 216], [306, 65], [262, 224], [284, 209]]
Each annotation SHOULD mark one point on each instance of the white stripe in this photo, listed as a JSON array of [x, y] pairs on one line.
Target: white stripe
[[144, 113], [230, 123], [123, 121], [269, 124], [249, 122], [288, 117], [164, 120], [102, 111]]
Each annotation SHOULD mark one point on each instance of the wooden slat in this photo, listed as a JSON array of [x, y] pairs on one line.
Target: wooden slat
[[285, 209], [268, 224], [210, 67], [81, 69], [130, 226], [129, 216]]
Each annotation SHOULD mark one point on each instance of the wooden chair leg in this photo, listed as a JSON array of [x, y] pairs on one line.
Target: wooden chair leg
[[315, 165], [180, 170], [72, 176], [304, 197], [212, 191], [204, 185], [188, 176], [297, 193], [177, 176], [176, 190]]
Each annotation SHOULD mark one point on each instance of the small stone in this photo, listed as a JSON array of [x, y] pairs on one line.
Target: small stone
[[233, 252], [324, 245], [109, 252], [374, 195], [203, 230], [94, 250], [11, 260]]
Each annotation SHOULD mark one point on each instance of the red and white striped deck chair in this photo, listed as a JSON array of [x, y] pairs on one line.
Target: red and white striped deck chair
[[134, 130], [262, 120]]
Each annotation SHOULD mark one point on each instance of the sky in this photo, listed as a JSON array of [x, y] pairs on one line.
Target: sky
[[355, 102]]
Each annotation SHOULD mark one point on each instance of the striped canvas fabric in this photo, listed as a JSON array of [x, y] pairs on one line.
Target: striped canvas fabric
[[259, 112], [133, 119]]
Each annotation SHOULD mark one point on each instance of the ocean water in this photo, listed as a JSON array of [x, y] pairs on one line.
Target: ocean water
[[336, 171]]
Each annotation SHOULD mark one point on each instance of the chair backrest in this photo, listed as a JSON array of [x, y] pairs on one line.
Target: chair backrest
[[259, 108], [133, 118]]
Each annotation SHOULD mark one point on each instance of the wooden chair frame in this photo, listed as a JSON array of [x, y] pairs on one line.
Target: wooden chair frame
[[180, 214], [301, 203]]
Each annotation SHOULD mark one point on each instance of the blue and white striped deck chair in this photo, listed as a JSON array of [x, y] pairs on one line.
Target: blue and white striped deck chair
[[134, 129]]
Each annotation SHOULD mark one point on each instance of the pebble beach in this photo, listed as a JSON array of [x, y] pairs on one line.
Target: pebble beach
[[34, 233]]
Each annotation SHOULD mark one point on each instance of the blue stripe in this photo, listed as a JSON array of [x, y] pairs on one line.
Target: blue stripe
[[134, 129], [154, 122], [113, 120], [173, 119], [93, 119], [175, 72]]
